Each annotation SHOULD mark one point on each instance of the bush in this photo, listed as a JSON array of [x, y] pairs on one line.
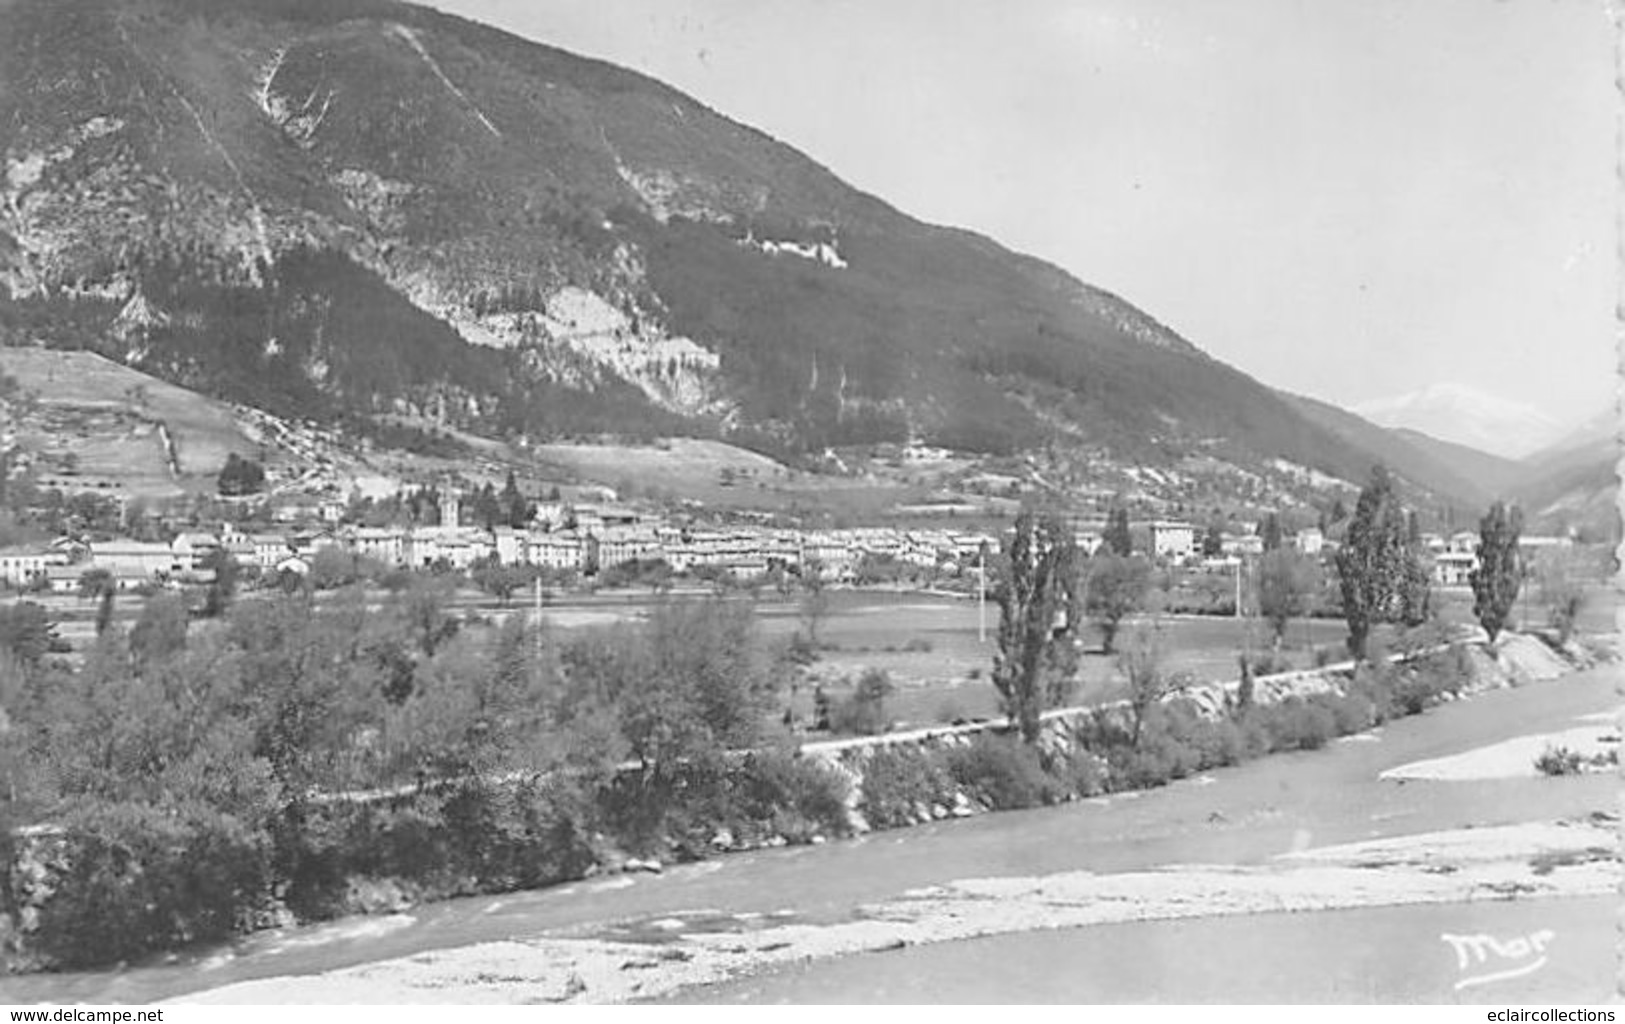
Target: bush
[[1002, 772], [1253, 733], [1221, 744], [1267, 663], [1351, 713], [1558, 761], [918, 645], [1376, 685], [779, 793], [1298, 724], [898, 782], [135, 879], [1080, 774], [864, 712], [1415, 690]]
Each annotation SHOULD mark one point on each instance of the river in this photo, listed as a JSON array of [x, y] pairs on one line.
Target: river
[[1244, 815]]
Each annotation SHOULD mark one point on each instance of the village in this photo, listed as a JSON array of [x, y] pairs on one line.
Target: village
[[582, 541]]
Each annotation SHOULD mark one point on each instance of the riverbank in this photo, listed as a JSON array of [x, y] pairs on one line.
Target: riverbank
[[1529, 861], [1244, 816]]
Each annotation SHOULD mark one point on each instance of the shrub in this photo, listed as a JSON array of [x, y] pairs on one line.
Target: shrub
[[1376, 685], [864, 712], [782, 794], [1267, 663], [1558, 761], [1221, 744], [1415, 690], [1002, 772], [135, 879], [1298, 724], [675, 806], [918, 645], [1351, 713], [1081, 774], [1253, 733], [898, 781]]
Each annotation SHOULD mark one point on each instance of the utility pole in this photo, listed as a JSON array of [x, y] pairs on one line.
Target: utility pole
[[536, 619], [1238, 586], [981, 593]]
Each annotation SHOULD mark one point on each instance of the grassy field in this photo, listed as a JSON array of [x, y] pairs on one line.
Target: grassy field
[[106, 417], [931, 646], [932, 649]]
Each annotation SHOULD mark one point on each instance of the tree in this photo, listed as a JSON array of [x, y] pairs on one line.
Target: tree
[[93, 583], [1272, 532], [1118, 587], [1212, 541], [160, 632], [1039, 614], [1117, 539], [240, 476], [99, 585], [223, 587], [517, 510], [1499, 573], [1287, 584], [27, 632], [498, 580], [1561, 589], [814, 606], [423, 607], [333, 566], [1377, 567], [488, 509], [1141, 665], [864, 713]]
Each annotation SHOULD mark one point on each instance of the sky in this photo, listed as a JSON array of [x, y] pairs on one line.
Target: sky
[[1350, 199]]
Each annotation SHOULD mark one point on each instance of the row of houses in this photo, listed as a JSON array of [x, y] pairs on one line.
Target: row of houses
[[590, 538], [744, 551], [1455, 557]]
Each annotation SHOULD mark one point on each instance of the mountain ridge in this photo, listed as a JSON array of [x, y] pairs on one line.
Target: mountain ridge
[[1456, 413], [368, 208]]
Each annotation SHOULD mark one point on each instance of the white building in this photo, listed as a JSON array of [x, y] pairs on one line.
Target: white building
[[1173, 540], [1454, 568], [135, 560], [22, 566], [559, 551]]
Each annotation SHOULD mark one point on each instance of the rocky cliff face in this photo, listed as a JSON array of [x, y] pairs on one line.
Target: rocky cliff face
[[349, 208]]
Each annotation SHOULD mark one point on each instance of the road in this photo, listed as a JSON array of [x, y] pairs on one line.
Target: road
[[1241, 816]]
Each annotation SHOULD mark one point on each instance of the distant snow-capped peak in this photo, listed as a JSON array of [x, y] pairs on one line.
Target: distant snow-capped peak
[[1465, 415]]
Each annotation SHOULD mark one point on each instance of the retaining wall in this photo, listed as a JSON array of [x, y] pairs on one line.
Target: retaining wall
[[1513, 660]]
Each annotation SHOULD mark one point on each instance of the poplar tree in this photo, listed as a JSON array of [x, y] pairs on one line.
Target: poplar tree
[[1117, 539], [1039, 616], [1499, 573], [1374, 565]]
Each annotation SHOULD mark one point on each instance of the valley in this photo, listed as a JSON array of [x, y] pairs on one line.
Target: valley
[[481, 524]]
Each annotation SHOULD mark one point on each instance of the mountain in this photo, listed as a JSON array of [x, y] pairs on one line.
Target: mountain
[[1465, 416], [1573, 484], [350, 211], [1440, 467], [1493, 475]]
